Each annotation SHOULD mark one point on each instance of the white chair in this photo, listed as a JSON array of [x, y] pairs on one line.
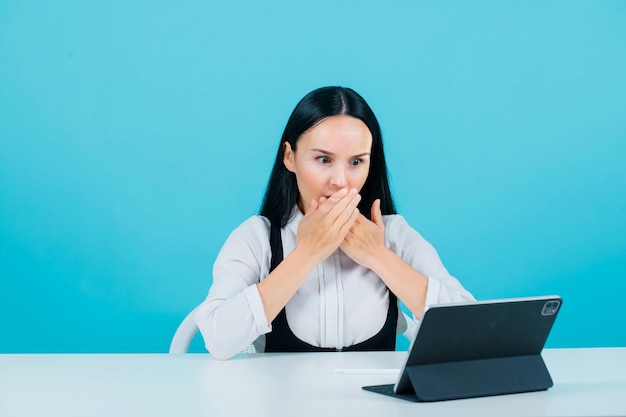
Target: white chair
[[185, 333], [188, 329], [408, 329]]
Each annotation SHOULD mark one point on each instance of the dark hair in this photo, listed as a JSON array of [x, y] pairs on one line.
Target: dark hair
[[282, 195]]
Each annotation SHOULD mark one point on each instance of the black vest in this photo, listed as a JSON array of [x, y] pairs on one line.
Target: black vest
[[282, 339]]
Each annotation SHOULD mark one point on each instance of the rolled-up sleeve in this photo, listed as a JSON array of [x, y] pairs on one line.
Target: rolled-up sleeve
[[232, 316]]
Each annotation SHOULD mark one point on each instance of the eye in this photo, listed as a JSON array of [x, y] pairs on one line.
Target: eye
[[323, 159], [356, 162]]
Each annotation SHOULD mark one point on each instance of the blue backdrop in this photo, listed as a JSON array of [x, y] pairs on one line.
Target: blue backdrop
[[134, 136]]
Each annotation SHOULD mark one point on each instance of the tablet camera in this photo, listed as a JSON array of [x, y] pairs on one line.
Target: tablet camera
[[550, 308]]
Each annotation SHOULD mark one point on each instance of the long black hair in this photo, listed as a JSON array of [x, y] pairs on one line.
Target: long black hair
[[282, 195]]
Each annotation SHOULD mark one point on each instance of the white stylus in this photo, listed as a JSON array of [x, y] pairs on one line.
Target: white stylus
[[353, 371]]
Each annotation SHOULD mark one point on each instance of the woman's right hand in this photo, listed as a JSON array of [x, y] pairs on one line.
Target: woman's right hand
[[326, 223], [320, 232]]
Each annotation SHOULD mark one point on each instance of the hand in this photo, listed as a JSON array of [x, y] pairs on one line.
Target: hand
[[366, 238], [327, 222]]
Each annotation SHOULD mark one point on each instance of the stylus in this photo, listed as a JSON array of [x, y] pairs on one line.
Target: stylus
[[353, 371]]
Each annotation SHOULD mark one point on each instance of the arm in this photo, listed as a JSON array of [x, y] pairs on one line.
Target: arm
[[320, 233], [410, 246], [232, 315], [409, 285], [244, 298], [409, 266]]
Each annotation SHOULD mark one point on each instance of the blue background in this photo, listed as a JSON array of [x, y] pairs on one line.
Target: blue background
[[135, 135]]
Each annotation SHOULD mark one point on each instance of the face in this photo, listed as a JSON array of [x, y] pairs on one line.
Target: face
[[332, 155]]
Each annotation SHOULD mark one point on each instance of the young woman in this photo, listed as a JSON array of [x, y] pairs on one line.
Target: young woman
[[324, 264]]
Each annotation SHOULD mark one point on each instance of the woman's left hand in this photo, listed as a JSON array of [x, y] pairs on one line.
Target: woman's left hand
[[366, 238], [365, 245]]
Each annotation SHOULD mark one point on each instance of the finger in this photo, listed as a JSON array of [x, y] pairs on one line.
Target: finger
[[377, 215], [327, 204], [361, 219], [346, 208], [349, 201], [339, 195], [346, 226]]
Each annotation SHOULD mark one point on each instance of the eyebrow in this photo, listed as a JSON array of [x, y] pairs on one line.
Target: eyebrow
[[332, 154]]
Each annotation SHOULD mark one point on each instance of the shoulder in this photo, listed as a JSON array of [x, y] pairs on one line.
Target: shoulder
[[253, 231], [399, 234], [396, 223], [245, 255], [258, 223]]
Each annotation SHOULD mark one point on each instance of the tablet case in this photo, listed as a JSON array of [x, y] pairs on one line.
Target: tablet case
[[477, 349]]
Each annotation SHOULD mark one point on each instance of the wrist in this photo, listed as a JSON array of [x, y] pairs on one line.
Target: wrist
[[383, 258], [305, 258]]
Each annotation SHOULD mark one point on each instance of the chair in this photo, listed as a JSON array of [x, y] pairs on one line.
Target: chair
[[188, 329], [185, 333]]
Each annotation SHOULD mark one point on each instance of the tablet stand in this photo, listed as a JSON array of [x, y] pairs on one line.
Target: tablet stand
[[479, 377]]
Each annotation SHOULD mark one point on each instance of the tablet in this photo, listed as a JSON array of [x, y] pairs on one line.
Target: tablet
[[477, 349]]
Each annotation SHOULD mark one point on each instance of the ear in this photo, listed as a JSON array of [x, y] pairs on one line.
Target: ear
[[289, 157]]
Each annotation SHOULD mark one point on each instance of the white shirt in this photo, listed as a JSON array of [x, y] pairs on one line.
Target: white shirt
[[339, 304]]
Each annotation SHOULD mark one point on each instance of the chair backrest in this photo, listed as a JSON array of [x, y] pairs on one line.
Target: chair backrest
[[188, 329], [185, 333]]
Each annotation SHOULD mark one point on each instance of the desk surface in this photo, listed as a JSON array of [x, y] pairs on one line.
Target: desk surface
[[586, 382]]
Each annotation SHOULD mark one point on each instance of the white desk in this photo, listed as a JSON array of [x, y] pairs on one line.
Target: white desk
[[587, 382]]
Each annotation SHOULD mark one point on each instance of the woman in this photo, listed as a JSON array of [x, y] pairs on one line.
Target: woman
[[323, 265]]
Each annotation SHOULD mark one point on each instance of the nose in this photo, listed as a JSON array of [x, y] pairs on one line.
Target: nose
[[339, 178]]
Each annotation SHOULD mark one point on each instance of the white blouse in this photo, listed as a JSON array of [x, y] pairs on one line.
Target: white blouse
[[340, 303]]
